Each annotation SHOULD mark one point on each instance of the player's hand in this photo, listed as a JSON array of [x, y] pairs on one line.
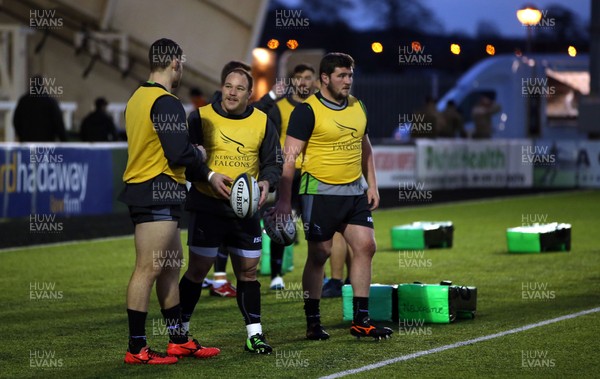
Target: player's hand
[[202, 152], [221, 184], [373, 198], [264, 192], [281, 209]]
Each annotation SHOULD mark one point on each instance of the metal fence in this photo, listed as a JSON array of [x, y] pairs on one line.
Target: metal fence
[[389, 96]]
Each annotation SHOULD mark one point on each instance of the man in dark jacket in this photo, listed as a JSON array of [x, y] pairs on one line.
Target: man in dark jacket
[[38, 117], [98, 126]]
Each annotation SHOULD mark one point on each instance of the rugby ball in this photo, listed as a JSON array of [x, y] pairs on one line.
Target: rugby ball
[[283, 231], [245, 195]]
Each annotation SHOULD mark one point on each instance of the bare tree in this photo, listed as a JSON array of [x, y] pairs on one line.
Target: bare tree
[[329, 12], [408, 14], [390, 14], [561, 25]]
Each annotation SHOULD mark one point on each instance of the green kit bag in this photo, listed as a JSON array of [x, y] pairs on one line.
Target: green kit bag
[[382, 302], [436, 303], [539, 238], [424, 303], [422, 235]]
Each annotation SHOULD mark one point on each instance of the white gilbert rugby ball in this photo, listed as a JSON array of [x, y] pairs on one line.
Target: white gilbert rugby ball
[[283, 231], [245, 195]]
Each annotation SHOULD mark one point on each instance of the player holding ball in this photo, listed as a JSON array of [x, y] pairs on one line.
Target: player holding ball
[[238, 139]]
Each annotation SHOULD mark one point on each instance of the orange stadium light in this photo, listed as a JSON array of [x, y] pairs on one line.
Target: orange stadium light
[[263, 71], [529, 15], [490, 49], [262, 57], [292, 44], [377, 47], [416, 46], [455, 49], [273, 44]]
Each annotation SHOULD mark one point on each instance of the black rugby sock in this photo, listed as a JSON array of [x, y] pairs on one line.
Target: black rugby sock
[[276, 259], [248, 300], [172, 318], [189, 294], [312, 312], [361, 309], [137, 330]]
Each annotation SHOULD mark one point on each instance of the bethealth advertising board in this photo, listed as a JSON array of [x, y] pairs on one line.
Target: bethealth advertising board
[[454, 164], [54, 179]]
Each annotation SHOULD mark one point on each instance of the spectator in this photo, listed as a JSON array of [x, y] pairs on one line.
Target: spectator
[[482, 117], [453, 122], [98, 126], [38, 117], [427, 120]]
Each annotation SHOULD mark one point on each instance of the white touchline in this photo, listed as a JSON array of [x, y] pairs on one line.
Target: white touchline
[[457, 344]]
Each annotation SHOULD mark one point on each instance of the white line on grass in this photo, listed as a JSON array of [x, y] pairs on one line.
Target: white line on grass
[[457, 344]]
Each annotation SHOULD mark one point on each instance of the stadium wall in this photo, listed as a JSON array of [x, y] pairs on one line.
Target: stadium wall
[[58, 192]]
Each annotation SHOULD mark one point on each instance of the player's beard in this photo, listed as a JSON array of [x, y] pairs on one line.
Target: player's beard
[[337, 95]]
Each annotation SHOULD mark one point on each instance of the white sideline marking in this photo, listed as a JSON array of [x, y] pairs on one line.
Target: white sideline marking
[[457, 344]]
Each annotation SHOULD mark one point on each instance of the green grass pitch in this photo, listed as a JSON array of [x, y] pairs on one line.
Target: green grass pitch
[[82, 330]]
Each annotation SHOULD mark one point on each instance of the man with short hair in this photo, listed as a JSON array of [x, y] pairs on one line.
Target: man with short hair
[[159, 151], [330, 128], [98, 126], [453, 122], [37, 117], [220, 285], [238, 139]]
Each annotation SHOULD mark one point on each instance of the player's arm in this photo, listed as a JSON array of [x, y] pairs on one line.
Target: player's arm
[[368, 169], [300, 128], [169, 122], [265, 103], [368, 166], [275, 116], [292, 149], [270, 162], [196, 139]]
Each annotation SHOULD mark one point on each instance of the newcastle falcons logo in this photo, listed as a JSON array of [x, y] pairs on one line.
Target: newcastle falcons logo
[[344, 128], [228, 140]]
